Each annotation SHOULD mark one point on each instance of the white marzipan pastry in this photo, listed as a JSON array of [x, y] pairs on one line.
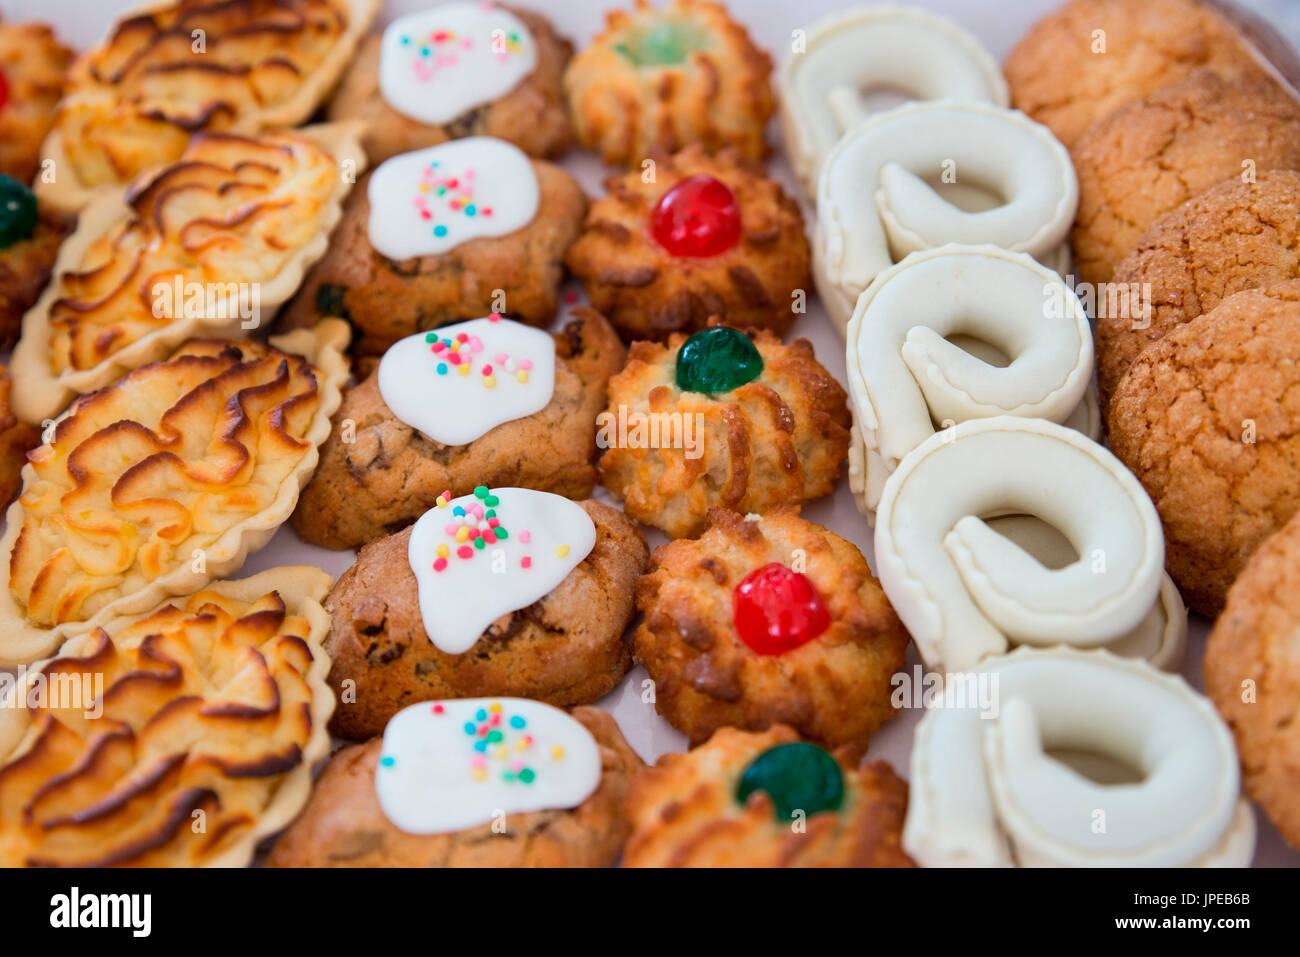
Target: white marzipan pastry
[[875, 202], [988, 791], [820, 86]]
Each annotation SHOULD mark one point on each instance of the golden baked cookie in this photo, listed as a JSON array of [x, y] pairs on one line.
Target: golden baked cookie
[[768, 620], [1208, 419], [532, 114], [707, 236], [16, 439], [666, 78], [176, 738], [29, 244], [377, 473], [721, 418], [765, 799], [32, 63], [1151, 156], [1089, 58], [1252, 674], [344, 824], [1234, 236], [566, 648]]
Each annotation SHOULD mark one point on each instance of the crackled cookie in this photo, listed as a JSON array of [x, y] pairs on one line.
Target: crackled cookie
[[705, 236], [1251, 675], [178, 67], [1089, 58], [456, 70], [1207, 419], [210, 245], [502, 591], [1008, 787], [164, 481], [32, 63], [477, 782], [661, 79], [16, 439], [206, 710], [1156, 153], [29, 243], [768, 620], [721, 418], [488, 401], [765, 799], [442, 234], [1233, 237]]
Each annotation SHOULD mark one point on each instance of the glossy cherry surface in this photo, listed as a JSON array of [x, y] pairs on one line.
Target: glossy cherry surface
[[776, 610], [798, 777], [717, 360], [699, 217]]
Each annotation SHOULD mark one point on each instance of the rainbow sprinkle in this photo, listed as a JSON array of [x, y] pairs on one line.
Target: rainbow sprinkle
[[459, 353], [501, 745], [455, 192]]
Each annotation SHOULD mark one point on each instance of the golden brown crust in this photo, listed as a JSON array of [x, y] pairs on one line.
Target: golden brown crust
[[1208, 419], [378, 474], [683, 812], [647, 292], [32, 63], [1233, 237], [533, 115], [719, 96], [386, 300], [1148, 158], [1252, 674], [25, 269], [1059, 77], [566, 649], [780, 439], [16, 439], [834, 690], [344, 826]]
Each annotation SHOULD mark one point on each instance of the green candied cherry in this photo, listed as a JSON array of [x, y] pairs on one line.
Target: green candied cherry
[[718, 359], [797, 777], [17, 212], [662, 43]]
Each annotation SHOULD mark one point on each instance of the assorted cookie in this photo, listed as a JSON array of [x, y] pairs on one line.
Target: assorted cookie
[[16, 440], [32, 64], [29, 245]]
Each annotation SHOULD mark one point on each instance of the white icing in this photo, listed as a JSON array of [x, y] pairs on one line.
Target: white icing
[[431, 779], [487, 52], [455, 409], [458, 603], [495, 194]]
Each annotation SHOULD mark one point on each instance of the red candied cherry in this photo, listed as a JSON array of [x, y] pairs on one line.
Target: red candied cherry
[[698, 217], [776, 610]]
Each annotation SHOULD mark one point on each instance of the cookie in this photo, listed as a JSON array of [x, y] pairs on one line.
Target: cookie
[[1251, 675], [704, 236], [561, 644], [1207, 419], [455, 70], [16, 439], [29, 244], [1234, 236], [1151, 156], [32, 63], [765, 799], [447, 233], [348, 824], [379, 472], [661, 79], [768, 620], [720, 418], [1089, 58]]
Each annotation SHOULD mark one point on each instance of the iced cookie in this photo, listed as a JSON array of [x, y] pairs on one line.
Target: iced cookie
[[210, 245], [705, 236], [1233, 237], [179, 67], [16, 439], [181, 736], [489, 401], [965, 590], [32, 63], [502, 591], [842, 58], [768, 620], [442, 234], [456, 70], [1251, 675], [765, 799], [29, 243], [478, 782], [927, 174], [958, 333], [1156, 153], [1207, 419], [660, 79], [720, 418], [1088, 760]]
